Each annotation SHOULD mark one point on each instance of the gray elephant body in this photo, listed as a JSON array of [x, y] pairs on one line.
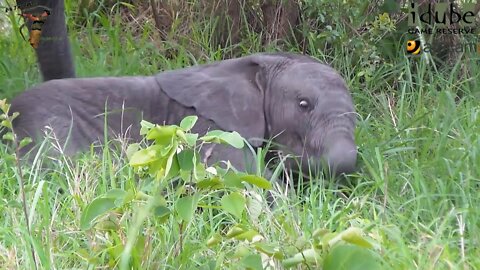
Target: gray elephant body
[[299, 102]]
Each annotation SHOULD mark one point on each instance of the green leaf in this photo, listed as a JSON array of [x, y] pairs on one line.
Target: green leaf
[[210, 183], [8, 136], [118, 195], [25, 141], [132, 149], [248, 235], [233, 179], [257, 181], [163, 135], [214, 240], [269, 249], [319, 233], [96, 208], [351, 257], [241, 251], [186, 206], [162, 212], [212, 136], [188, 122], [354, 236], [234, 203], [174, 170], [14, 115], [235, 230], [186, 159], [252, 261], [191, 139], [310, 256], [4, 106], [233, 138], [6, 123], [145, 156], [145, 127], [170, 159]]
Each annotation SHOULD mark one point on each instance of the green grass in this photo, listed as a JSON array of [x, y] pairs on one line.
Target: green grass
[[416, 192]]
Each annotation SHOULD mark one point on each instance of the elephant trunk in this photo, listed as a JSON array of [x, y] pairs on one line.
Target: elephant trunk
[[53, 52], [341, 156], [335, 146]]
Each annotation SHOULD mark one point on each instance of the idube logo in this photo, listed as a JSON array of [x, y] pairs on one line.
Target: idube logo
[[413, 47], [422, 18]]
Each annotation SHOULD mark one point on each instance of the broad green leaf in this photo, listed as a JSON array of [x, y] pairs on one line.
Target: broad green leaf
[[96, 208], [252, 261], [8, 136], [14, 115], [191, 139], [6, 124], [212, 136], [108, 224], [351, 257], [115, 193], [233, 138], [188, 122], [214, 240], [4, 106], [269, 249], [132, 149], [144, 157], [254, 206], [162, 212], [145, 127], [162, 135], [25, 141], [118, 195], [232, 179], [181, 134], [199, 171], [310, 256], [210, 183], [241, 251], [171, 158], [217, 136], [319, 233], [248, 235], [354, 236], [185, 159], [157, 168], [186, 206], [234, 203], [214, 133], [174, 170], [257, 181], [235, 230]]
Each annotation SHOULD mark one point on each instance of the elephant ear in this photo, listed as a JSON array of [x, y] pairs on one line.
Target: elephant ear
[[230, 93]]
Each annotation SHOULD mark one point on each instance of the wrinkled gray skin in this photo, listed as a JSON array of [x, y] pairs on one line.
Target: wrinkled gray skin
[[53, 54], [300, 103]]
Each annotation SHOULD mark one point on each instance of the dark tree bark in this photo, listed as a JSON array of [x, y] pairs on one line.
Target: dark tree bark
[[279, 18]]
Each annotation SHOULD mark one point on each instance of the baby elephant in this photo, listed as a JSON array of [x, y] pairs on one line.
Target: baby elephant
[[299, 103]]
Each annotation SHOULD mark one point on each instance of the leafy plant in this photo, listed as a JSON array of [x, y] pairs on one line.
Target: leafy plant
[[173, 158]]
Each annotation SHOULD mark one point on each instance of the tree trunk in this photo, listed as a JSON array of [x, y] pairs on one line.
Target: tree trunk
[[280, 17]]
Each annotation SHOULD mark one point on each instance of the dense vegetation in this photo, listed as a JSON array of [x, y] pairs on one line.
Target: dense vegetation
[[415, 195]]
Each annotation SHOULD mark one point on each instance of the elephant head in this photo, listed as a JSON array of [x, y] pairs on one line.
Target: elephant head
[[310, 111], [303, 105]]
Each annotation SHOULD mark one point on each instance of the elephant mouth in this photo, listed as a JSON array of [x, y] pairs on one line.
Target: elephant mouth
[[335, 159]]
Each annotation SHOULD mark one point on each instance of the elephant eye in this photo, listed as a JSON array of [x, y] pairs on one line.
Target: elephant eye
[[304, 104]]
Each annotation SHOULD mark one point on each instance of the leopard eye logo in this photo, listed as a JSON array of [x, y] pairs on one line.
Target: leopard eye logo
[[413, 47]]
